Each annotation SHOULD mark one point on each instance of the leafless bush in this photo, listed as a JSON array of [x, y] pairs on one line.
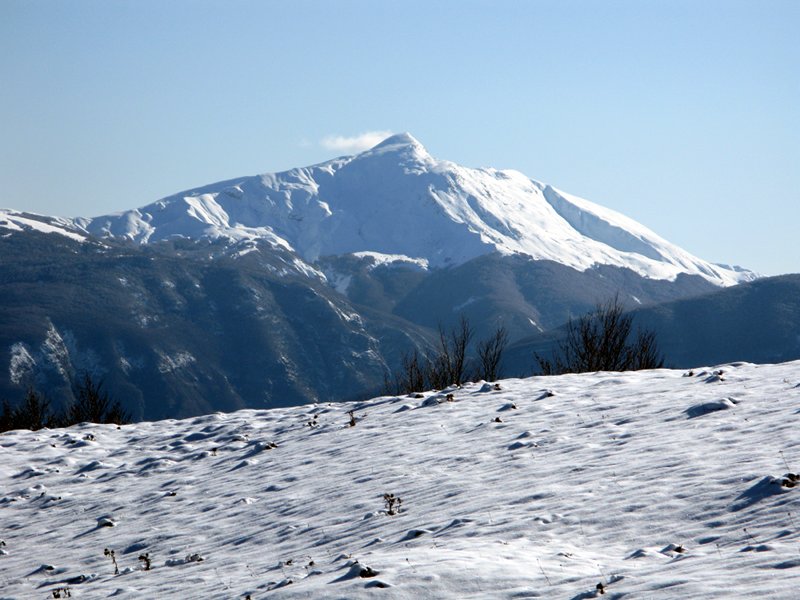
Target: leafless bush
[[490, 353], [599, 341], [450, 362]]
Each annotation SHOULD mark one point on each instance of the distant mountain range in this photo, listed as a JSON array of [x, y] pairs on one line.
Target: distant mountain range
[[310, 284]]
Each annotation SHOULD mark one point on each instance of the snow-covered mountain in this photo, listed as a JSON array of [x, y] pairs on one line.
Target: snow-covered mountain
[[658, 484], [397, 200], [311, 285]]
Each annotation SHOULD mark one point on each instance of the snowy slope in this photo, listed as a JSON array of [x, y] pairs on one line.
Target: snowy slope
[[396, 199], [13, 220], [658, 484]]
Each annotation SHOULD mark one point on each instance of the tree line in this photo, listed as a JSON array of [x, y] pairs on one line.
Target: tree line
[[601, 340], [91, 404]]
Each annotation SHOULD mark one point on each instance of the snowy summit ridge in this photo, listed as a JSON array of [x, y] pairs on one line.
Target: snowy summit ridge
[[396, 199]]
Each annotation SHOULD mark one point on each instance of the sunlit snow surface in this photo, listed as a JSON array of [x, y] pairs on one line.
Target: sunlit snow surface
[[396, 199], [660, 484]]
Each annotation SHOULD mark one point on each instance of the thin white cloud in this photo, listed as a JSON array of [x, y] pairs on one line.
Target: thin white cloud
[[355, 143]]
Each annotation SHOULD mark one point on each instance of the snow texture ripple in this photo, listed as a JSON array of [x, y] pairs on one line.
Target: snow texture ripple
[[659, 484]]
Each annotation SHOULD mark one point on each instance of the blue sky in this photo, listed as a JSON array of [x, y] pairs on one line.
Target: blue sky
[[684, 115]]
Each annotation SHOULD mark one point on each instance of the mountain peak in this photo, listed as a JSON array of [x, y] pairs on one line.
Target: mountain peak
[[401, 148], [398, 139], [396, 199]]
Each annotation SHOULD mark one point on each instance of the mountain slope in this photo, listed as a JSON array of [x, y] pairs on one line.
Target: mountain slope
[[654, 484], [758, 321], [179, 329], [530, 296], [396, 199]]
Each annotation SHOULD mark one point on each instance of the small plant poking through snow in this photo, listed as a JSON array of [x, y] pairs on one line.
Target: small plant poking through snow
[[352, 415], [601, 589], [392, 504], [145, 560], [62, 593], [367, 572], [112, 555]]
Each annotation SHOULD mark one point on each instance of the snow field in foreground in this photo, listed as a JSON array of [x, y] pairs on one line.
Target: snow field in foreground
[[658, 484]]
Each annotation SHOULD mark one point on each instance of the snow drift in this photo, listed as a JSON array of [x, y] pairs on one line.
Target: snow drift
[[660, 484]]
